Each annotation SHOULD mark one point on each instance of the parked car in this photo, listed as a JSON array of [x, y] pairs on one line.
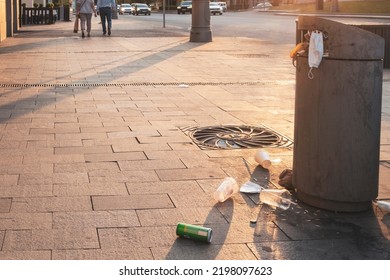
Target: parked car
[[141, 8], [184, 7], [223, 5], [263, 5], [125, 9], [215, 8]]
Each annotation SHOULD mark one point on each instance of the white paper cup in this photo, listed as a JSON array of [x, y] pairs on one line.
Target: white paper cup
[[262, 158]]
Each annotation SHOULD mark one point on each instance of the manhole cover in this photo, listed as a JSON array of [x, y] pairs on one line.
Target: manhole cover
[[236, 137]]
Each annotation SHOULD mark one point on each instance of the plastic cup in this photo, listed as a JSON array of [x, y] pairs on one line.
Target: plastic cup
[[226, 189], [262, 158], [276, 198]]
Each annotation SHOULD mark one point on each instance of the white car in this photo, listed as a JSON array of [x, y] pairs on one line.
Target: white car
[[223, 5], [263, 5], [125, 9], [215, 8]]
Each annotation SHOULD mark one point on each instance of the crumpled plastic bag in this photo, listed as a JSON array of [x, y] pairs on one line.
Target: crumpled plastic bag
[[250, 187]]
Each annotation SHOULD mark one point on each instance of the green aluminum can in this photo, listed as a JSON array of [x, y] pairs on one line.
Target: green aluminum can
[[194, 232]]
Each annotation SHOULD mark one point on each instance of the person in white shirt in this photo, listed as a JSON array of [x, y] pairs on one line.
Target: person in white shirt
[[85, 9]]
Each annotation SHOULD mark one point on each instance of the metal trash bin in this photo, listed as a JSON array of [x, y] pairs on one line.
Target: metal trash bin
[[338, 118]]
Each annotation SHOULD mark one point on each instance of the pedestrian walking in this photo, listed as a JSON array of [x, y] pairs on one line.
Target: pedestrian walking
[[105, 10], [85, 9]]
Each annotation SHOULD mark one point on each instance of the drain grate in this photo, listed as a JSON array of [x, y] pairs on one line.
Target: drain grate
[[134, 84], [236, 137], [249, 55]]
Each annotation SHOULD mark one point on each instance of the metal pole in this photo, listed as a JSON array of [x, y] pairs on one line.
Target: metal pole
[[163, 13], [200, 29]]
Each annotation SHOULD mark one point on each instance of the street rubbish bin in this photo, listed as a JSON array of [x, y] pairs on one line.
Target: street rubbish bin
[[338, 117], [114, 13]]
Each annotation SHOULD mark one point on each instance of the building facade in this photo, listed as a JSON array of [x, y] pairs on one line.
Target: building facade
[[9, 18]]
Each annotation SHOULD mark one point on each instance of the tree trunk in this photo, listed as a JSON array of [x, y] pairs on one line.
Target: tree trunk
[[319, 5]]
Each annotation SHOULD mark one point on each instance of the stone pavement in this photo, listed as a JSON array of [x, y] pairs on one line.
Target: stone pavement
[[96, 164]]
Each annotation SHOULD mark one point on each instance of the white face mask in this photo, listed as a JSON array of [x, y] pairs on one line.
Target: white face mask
[[316, 51]]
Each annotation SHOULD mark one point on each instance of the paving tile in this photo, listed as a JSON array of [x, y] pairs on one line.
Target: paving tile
[[105, 176], [164, 139], [56, 130], [54, 143], [124, 253], [323, 249], [130, 134], [5, 205], [23, 151], [166, 155], [83, 150], [20, 221], [169, 217], [188, 174], [150, 164], [114, 156], [47, 239], [125, 147], [190, 250], [55, 178], [104, 129], [26, 255], [246, 232], [97, 219], [84, 167], [6, 180], [2, 235], [12, 144], [26, 190], [183, 146], [137, 237], [89, 189], [40, 168], [28, 159], [161, 187], [9, 160], [50, 204], [297, 227], [149, 201], [78, 136], [197, 198]]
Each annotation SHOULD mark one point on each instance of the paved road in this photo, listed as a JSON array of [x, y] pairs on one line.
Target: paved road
[[96, 159]]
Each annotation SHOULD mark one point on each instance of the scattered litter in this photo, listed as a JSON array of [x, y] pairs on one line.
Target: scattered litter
[[276, 160], [226, 189], [248, 169], [262, 158], [250, 187], [277, 198], [383, 205], [194, 232], [285, 179], [254, 214]]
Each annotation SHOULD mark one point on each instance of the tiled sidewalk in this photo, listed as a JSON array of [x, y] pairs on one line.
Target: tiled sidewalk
[[95, 163]]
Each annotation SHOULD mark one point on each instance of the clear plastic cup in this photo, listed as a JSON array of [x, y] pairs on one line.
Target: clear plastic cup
[[276, 198], [226, 189]]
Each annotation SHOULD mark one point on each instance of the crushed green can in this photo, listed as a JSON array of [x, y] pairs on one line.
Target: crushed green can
[[194, 232]]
